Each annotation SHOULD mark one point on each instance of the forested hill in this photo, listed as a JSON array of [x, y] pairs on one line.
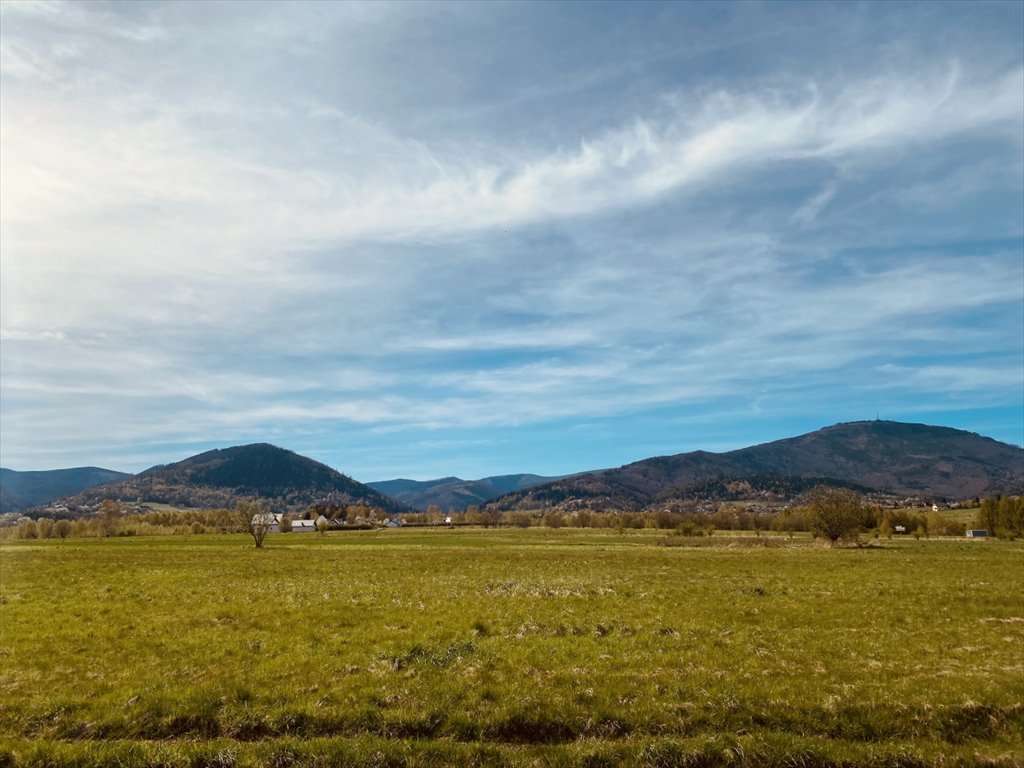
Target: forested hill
[[220, 477], [455, 493], [21, 490], [912, 459], [750, 487]]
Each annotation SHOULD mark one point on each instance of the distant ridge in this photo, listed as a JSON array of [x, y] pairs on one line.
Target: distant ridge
[[898, 458], [219, 478], [22, 490], [911, 459], [455, 493]]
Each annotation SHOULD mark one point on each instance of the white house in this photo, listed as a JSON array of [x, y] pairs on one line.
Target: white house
[[303, 526]]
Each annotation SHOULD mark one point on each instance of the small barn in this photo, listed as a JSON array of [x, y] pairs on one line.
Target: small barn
[[271, 520], [977, 533], [303, 526]]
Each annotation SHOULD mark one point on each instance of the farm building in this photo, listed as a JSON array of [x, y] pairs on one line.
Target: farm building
[[977, 533], [270, 519], [303, 526]]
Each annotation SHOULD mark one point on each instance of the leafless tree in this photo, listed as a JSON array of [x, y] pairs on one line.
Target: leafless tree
[[109, 517], [254, 516]]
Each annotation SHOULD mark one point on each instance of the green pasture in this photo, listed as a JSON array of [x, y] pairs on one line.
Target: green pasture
[[969, 517], [527, 647]]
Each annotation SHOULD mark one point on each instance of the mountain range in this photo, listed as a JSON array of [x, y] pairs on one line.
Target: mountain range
[[21, 490], [455, 493], [219, 478], [899, 458], [893, 457]]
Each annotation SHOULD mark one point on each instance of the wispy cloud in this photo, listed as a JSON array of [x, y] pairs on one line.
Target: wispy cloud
[[214, 232], [809, 211]]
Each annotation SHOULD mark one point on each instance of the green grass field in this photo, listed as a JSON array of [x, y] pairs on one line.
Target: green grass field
[[968, 517], [526, 647]]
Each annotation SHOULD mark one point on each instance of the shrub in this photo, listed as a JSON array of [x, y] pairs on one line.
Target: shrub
[[835, 513]]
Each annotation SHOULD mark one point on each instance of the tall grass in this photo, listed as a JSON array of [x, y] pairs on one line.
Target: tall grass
[[547, 647]]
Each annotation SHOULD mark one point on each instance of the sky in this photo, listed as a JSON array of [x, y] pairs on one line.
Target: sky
[[429, 239]]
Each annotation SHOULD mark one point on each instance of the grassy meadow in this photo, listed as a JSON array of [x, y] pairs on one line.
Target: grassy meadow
[[510, 647]]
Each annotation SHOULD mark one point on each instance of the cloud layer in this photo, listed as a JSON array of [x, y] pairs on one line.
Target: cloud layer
[[351, 229]]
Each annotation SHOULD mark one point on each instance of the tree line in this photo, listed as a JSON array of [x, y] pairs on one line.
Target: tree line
[[1003, 516], [112, 519], [832, 513]]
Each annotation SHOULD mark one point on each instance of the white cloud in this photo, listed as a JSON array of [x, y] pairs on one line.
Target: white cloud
[[809, 211], [951, 378], [214, 238]]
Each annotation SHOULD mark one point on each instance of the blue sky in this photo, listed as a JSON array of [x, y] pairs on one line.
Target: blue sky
[[430, 239]]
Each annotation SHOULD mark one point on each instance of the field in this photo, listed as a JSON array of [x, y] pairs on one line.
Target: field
[[526, 647]]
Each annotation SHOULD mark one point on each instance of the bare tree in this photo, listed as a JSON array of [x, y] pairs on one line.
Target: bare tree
[[835, 513], [109, 517], [254, 516]]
